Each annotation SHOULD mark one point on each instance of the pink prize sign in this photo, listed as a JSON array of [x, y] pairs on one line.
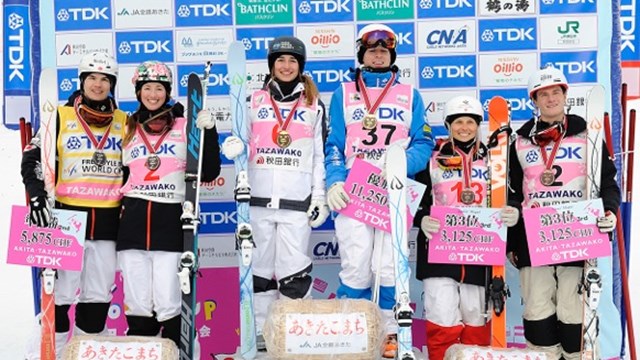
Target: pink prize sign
[[59, 247], [469, 236], [566, 232], [368, 193]]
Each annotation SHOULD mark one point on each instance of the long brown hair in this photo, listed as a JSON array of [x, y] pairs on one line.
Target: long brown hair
[[311, 92], [131, 129]]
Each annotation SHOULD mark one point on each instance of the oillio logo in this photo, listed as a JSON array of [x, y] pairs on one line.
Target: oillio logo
[[203, 10], [508, 67], [83, 14], [325, 41]]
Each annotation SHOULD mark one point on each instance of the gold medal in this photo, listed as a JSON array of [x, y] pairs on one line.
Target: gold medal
[[369, 122], [547, 178], [99, 158], [153, 162], [467, 196], [284, 139]]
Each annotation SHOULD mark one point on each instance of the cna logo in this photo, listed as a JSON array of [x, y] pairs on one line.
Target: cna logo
[[436, 37], [508, 34], [256, 40], [446, 8], [203, 13], [82, 15], [136, 47], [68, 82], [310, 11], [17, 37], [329, 74], [521, 106], [628, 18], [578, 67], [567, 6], [218, 79], [447, 71], [218, 217]]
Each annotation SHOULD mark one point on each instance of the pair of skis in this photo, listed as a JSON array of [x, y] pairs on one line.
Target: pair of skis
[[188, 267]]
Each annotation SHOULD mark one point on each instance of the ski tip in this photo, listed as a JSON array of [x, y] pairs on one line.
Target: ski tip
[[237, 52]]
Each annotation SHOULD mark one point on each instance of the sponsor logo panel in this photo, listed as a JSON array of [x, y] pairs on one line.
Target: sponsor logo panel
[[443, 37], [256, 40], [251, 12], [374, 10], [558, 33], [629, 42], [218, 79], [137, 14], [567, 6], [68, 82], [203, 13], [138, 46], [508, 34], [446, 8], [221, 188], [17, 45], [329, 74], [578, 67], [522, 107], [447, 71], [82, 15], [434, 103], [506, 69], [328, 41], [203, 45], [218, 217], [71, 47], [328, 11], [506, 7]]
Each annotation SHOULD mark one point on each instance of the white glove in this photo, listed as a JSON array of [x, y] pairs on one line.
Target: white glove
[[205, 120], [429, 226], [337, 197], [509, 215], [232, 147], [607, 223], [318, 212]]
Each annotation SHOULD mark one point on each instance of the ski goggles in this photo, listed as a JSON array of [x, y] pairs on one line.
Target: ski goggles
[[379, 37], [449, 161]]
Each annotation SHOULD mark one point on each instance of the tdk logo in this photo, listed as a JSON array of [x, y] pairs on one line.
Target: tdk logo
[[329, 74], [218, 79], [256, 40], [508, 34], [82, 15], [567, 6], [437, 72], [521, 106], [68, 82], [324, 10], [135, 47], [446, 8], [203, 12], [628, 41], [219, 217], [578, 67], [16, 51]]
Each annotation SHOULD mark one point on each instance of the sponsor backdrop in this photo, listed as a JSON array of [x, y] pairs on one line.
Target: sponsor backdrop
[[446, 48]]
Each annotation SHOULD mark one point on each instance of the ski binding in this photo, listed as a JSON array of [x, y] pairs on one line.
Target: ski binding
[[49, 280], [244, 242], [187, 267], [403, 311], [242, 191], [499, 291]]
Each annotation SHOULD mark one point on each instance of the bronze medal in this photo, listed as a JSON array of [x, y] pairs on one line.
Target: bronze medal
[[547, 178], [467, 196], [99, 158], [369, 122], [153, 162], [284, 139]]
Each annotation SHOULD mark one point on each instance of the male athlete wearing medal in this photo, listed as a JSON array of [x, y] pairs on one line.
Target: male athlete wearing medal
[[366, 115], [150, 238], [88, 174], [553, 308], [454, 295], [286, 173]]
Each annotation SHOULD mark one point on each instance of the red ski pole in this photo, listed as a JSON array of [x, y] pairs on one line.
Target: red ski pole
[[622, 252]]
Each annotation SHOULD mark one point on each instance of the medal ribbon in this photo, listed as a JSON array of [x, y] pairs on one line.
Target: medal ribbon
[[283, 125], [365, 95], [466, 167], [151, 149], [87, 130], [548, 160]]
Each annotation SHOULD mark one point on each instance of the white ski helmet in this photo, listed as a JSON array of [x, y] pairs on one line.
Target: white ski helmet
[[98, 62], [462, 105], [544, 78], [376, 34]]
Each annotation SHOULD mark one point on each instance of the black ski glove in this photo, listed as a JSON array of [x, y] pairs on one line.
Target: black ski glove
[[40, 212]]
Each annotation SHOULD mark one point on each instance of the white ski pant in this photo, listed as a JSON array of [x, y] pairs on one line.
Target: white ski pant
[[549, 291], [450, 303], [282, 247], [151, 283], [96, 278], [360, 248]]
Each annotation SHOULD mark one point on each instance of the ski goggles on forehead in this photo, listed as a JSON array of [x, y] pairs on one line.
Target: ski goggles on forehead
[[449, 161], [379, 37]]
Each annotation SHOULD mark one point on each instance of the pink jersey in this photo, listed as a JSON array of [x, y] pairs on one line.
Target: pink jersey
[[165, 184], [448, 183]]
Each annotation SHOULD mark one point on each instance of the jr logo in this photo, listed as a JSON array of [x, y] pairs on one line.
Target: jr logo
[[569, 27]]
